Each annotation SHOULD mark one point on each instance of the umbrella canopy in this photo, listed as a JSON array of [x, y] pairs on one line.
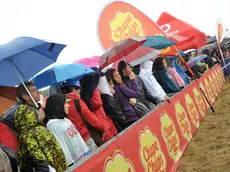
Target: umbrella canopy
[[60, 73], [213, 40], [121, 49], [195, 60], [138, 56], [208, 47], [158, 42], [89, 61], [24, 57]]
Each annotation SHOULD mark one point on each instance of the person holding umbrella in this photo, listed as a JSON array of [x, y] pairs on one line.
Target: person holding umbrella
[[38, 148]]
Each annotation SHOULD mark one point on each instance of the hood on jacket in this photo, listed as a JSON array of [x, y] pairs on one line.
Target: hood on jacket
[[26, 118], [104, 87], [55, 107], [147, 65]]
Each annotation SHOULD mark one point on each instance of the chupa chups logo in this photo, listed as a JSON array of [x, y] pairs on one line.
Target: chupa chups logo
[[212, 85], [215, 79], [118, 163], [209, 90], [220, 74], [183, 121], [192, 110], [218, 78], [124, 26], [151, 155], [206, 94], [170, 136], [199, 101]]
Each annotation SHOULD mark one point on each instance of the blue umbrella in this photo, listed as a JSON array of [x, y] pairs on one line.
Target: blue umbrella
[[24, 57], [60, 73], [158, 42], [195, 60]]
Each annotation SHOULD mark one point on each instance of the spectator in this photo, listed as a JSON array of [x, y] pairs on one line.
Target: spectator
[[38, 149], [150, 82], [85, 118], [126, 96], [91, 95], [143, 94], [5, 162], [208, 60], [162, 76], [66, 133], [176, 77], [110, 103]]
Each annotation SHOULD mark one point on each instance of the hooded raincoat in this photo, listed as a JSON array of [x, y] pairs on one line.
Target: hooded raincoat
[[64, 130], [150, 82]]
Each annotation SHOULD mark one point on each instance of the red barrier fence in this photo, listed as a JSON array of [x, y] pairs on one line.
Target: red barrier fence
[[157, 142]]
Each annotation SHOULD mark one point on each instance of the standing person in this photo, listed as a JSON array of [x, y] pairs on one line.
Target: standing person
[[66, 133], [208, 60], [151, 83], [91, 95], [110, 103], [162, 76], [38, 148], [145, 97], [83, 117], [176, 77], [126, 97]]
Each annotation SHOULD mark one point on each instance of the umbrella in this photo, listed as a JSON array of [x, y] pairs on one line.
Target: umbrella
[[138, 56], [158, 42], [120, 49], [207, 47], [194, 61], [24, 57], [60, 73], [89, 61], [213, 40]]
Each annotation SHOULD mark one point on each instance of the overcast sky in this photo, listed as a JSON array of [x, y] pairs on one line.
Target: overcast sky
[[73, 22]]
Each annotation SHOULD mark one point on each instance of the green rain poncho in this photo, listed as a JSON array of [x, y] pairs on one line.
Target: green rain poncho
[[36, 142]]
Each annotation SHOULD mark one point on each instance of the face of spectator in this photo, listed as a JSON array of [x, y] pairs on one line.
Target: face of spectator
[[127, 71], [117, 77], [34, 93], [66, 107], [164, 63]]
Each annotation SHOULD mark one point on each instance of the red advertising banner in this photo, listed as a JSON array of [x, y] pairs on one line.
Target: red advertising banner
[[157, 142]]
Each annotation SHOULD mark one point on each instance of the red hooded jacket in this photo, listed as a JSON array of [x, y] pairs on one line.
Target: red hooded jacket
[[90, 117], [98, 110]]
